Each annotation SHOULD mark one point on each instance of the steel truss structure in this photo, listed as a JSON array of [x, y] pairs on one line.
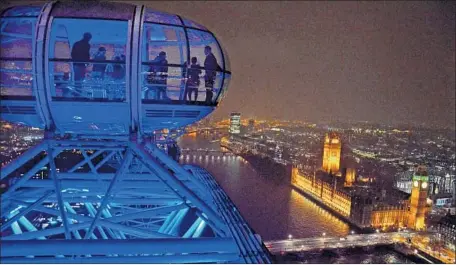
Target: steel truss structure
[[121, 202]]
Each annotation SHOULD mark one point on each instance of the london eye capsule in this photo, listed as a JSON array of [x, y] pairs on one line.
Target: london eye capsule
[[104, 68]]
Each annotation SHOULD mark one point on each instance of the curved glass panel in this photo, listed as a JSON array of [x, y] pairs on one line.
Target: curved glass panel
[[226, 84], [16, 41], [17, 37], [196, 89], [22, 11], [198, 41], [88, 64], [93, 9], [16, 78], [227, 59], [170, 40], [193, 24], [161, 83], [151, 15]]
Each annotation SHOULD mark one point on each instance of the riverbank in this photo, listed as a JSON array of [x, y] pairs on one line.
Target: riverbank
[[343, 218]]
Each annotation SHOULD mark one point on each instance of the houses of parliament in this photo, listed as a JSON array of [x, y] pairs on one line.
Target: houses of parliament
[[362, 204]]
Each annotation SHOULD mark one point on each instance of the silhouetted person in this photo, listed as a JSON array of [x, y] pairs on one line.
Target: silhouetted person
[[172, 151], [81, 52], [63, 85], [100, 68], [193, 80], [211, 67], [118, 70], [158, 76]]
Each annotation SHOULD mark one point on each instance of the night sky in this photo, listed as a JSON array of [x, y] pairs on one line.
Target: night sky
[[388, 62]]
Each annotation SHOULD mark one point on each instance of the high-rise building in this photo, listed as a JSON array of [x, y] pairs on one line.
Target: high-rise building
[[350, 176], [251, 126], [331, 153], [418, 198], [235, 123]]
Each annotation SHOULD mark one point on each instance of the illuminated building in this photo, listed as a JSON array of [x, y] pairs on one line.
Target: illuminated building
[[350, 175], [447, 230], [235, 123], [364, 207], [251, 125], [331, 153], [325, 192], [388, 216], [418, 208]]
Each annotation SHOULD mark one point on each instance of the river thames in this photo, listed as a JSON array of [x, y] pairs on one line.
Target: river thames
[[271, 207]]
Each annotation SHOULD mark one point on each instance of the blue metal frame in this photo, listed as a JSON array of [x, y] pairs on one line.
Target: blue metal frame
[[124, 200], [150, 201]]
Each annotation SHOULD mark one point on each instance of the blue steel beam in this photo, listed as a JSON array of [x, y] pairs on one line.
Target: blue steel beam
[[22, 159], [254, 250], [131, 219], [86, 160], [97, 199], [173, 165], [15, 248], [86, 223], [24, 212], [158, 259], [178, 186], [58, 192], [29, 174], [71, 210], [107, 196]]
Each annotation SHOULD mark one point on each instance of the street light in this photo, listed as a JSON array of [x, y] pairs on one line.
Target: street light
[[324, 234], [352, 232], [378, 231], [290, 236]]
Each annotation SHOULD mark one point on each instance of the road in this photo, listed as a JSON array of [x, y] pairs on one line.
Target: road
[[360, 240], [418, 241], [425, 244]]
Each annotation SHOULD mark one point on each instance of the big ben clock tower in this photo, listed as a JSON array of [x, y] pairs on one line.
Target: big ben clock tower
[[417, 213]]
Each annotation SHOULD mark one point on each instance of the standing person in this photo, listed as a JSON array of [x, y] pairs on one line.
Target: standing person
[[99, 68], [211, 67], [118, 70], [158, 76], [185, 67], [81, 52], [193, 81]]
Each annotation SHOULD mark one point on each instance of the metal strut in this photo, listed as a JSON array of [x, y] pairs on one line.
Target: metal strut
[[130, 201]]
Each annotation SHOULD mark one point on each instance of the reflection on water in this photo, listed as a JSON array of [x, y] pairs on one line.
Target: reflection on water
[[273, 210], [378, 256], [276, 210]]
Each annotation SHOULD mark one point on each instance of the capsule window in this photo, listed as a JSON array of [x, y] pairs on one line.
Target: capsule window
[[16, 38], [87, 59], [164, 39], [205, 48]]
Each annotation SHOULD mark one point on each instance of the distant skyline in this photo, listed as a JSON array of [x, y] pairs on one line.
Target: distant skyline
[[386, 62]]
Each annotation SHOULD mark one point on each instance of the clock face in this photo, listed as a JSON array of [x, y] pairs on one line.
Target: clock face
[[416, 184], [424, 185]]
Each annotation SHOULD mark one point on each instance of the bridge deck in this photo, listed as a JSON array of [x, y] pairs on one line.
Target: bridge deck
[[361, 240]]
